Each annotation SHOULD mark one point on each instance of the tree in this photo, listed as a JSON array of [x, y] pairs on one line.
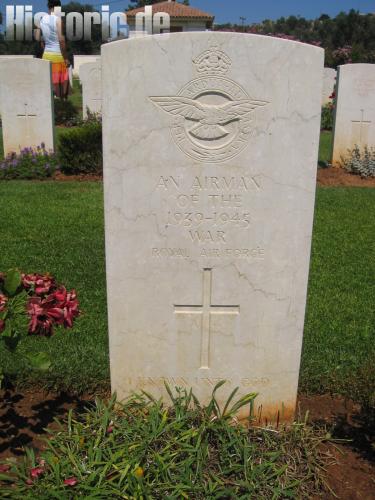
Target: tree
[[83, 46], [348, 37]]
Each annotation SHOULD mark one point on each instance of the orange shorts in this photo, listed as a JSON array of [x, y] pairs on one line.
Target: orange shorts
[[60, 73]]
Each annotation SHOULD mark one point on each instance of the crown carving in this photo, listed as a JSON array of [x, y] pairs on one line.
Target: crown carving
[[212, 61]]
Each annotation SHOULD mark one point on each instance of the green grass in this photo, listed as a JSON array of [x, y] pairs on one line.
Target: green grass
[[142, 449], [76, 96], [325, 146], [339, 340], [58, 227]]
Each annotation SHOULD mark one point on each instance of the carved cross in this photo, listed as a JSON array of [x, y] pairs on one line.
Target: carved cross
[[205, 310], [363, 126], [26, 116]]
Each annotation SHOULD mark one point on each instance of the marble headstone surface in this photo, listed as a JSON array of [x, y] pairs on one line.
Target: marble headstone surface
[[210, 154], [78, 60], [329, 81], [26, 104], [90, 75], [355, 109], [6, 58]]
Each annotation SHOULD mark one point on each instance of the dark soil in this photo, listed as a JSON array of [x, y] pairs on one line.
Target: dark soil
[[352, 477], [59, 176], [25, 415], [334, 176]]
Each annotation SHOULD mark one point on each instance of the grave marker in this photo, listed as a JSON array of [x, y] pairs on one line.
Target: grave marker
[[90, 75], [79, 60], [27, 110], [210, 153], [355, 110], [9, 57]]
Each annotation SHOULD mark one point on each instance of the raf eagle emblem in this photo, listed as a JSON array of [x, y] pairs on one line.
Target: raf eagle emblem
[[211, 119]]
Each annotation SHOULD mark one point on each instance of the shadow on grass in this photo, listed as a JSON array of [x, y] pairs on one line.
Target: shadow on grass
[[25, 416]]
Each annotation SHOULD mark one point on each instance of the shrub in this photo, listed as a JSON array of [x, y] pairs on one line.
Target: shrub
[[327, 117], [65, 113], [360, 162], [29, 164], [80, 148]]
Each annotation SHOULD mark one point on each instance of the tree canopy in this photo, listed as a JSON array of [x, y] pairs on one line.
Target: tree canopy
[[348, 37]]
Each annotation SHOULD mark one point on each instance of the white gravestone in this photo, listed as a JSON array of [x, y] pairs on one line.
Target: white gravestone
[[27, 107], [355, 110], [7, 58], [90, 75], [210, 153], [82, 59], [329, 81]]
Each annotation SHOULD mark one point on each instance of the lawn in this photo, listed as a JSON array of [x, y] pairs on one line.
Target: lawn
[[58, 227], [325, 146]]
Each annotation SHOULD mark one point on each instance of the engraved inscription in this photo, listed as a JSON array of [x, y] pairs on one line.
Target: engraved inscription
[[184, 253], [206, 207], [212, 119], [205, 310], [178, 381]]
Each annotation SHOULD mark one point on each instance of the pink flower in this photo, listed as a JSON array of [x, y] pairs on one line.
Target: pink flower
[[4, 467], [3, 301], [58, 308], [39, 322], [41, 284], [71, 481], [68, 303], [29, 482], [110, 429], [36, 472]]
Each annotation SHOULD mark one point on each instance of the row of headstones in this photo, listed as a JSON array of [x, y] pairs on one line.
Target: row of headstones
[[210, 147], [26, 90]]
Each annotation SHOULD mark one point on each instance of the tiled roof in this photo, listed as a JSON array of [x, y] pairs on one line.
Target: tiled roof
[[175, 10]]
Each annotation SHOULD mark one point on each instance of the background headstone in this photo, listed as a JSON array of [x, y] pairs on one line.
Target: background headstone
[[90, 75], [329, 81], [27, 107], [210, 154], [6, 58], [355, 109], [78, 60]]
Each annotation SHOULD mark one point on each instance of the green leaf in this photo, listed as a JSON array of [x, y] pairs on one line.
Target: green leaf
[[12, 281], [7, 332], [40, 361]]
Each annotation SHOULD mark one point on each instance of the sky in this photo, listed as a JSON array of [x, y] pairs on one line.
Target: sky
[[232, 10]]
